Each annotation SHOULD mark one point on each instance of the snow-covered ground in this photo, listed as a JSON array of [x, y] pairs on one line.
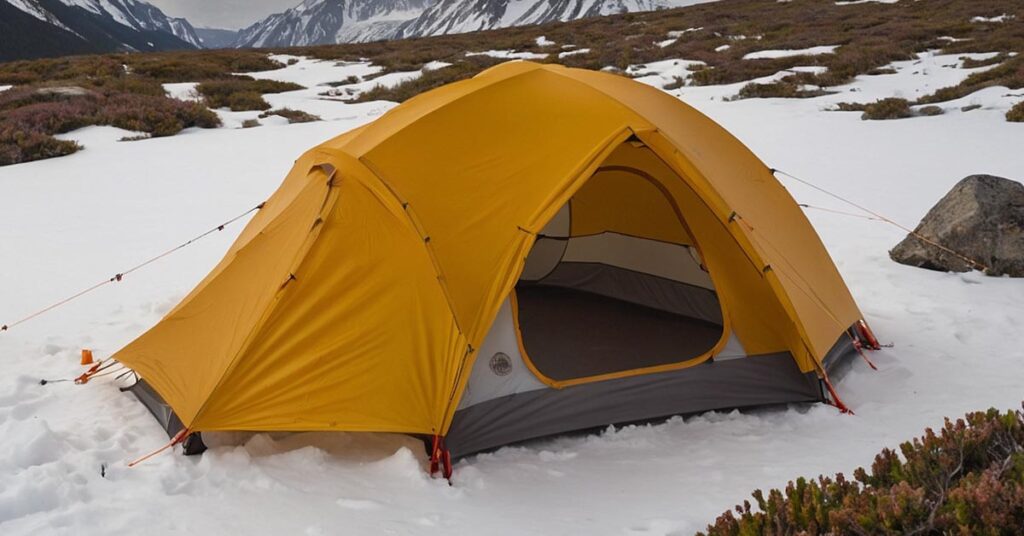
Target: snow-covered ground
[[69, 222], [774, 54]]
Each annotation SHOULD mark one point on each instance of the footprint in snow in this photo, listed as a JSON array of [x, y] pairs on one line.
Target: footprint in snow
[[358, 504]]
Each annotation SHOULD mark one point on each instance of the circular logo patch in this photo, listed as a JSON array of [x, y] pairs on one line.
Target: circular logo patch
[[501, 364]]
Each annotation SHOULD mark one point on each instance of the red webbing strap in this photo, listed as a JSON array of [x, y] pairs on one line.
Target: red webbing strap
[[440, 458], [836, 401], [178, 438]]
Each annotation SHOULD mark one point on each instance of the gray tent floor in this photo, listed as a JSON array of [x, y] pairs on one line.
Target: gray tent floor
[[571, 334]]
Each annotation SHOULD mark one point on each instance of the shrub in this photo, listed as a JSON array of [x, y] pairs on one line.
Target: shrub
[[767, 91], [1016, 114], [891, 108], [462, 69], [1009, 73], [17, 146], [966, 479], [293, 116], [27, 129], [851, 107], [250, 123], [245, 101], [971, 63], [676, 83], [242, 93], [931, 110], [351, 79]]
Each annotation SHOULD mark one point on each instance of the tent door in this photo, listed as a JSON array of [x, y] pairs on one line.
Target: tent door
[[614, 284]]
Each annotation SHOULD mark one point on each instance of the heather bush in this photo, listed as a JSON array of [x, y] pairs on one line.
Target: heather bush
[[241, 93], [293, 116], [245, 101], [17, 146], [766, 91], [1009, 73], [931, 110], [966, 479], [27, 128], [1016, 114], [891, 108], [461, 69]]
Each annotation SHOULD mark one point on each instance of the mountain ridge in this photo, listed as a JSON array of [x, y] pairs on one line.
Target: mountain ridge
[[318, 22], [44, 28]]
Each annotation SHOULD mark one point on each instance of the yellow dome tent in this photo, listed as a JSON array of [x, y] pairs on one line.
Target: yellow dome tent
[[535, 250]]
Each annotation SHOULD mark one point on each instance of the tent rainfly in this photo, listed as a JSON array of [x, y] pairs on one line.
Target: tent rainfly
[[532, 251]]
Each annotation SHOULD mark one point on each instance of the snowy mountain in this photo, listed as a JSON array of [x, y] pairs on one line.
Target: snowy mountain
[[216, 37], [346, 21], [36, 28], [457, 16], [332, 21]]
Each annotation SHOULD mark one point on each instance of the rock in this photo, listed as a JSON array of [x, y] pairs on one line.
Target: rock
[[982, 217], [64, 91]]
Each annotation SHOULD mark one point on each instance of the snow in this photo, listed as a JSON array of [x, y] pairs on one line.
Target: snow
[[318, 98], [435, 65], [94, 136], [509, 54], [4, 87], [773, 54], [31, 8], [1001, 18], [723, 48], [576, 52], [543, 41], [185, 91], [666, 42], [680, 33], [72, 221]]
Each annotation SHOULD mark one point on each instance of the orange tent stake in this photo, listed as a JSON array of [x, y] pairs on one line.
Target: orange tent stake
[[86, 356]]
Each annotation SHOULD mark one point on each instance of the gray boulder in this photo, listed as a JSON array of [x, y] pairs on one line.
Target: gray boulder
[[982, 217]]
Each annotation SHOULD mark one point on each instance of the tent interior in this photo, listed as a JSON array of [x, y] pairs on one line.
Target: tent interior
[[615, 281]]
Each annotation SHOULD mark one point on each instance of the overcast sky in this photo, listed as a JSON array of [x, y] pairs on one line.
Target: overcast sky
[[232, 14]]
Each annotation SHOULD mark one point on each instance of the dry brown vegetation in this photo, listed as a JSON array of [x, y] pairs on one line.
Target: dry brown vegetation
[[1016, 114], [871, 36], [241, 93]]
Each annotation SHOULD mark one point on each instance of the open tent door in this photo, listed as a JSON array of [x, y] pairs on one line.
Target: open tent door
[[615, 284]]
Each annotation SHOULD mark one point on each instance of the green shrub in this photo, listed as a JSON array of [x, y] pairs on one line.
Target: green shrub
[[1016, 114], [966, 479], [891, 108]]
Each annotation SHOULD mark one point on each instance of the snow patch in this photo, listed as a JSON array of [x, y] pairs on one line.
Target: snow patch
[[185, 91], [573, 52], [509, 54], [773, 54], [994, 20]]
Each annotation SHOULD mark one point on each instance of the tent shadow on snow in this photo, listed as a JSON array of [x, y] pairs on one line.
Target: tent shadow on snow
[[529, 252]]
